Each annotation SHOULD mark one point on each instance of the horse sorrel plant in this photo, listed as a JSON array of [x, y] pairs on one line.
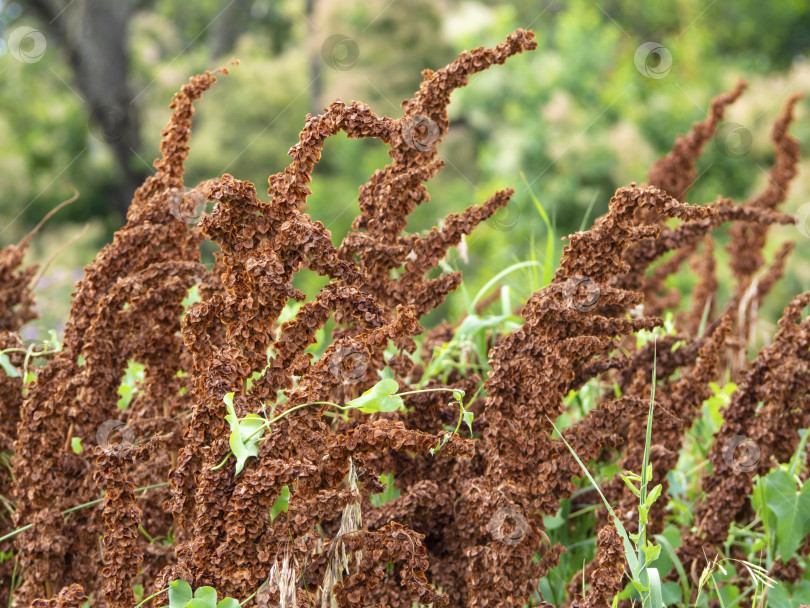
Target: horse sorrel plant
[[231, 460]]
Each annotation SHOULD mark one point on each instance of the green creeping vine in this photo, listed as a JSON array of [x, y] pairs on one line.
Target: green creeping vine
[[51, 346], [247, 432]]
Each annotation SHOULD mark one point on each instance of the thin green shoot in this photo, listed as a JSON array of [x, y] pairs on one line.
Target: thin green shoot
[[704, 318], [548, 267], [146, 534], [379, 398], [151, 597], [255, 593], [797, 459], [482, 292], [14, 533], [13, 583], [647, 553], [7, 504], [629, 551], [717, 589], [587, 215], [646, 580]]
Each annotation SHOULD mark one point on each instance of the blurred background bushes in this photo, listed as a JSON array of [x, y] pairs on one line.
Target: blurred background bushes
[[579, 117]]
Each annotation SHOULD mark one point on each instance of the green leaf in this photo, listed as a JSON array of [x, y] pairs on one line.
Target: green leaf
[[472, 324], [656, 492], [791, 508], [229, 602], [282, 503], [672, 593], [207, 595], [669, 540], [556, 521], [133, 376], [251, 427], [125, 393], [651, 552], [798, 453], [801, 592], [245, 437], [76, 445], [468, 419], [440, 445], [643, 511], [53, 342], [391, 491], [379, 398], [656, 597], [179, 594], [779, 598], [630, 485], [192, 297], [5, 363], [245, 434]]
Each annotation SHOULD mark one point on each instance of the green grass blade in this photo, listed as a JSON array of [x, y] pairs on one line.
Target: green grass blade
[[673, 556], [482, 292], [548, 268], [656, 595], [629, 552], [588, 211]]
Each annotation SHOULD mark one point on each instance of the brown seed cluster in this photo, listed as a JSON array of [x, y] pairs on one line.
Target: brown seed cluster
[[127, 306], [467, 527]]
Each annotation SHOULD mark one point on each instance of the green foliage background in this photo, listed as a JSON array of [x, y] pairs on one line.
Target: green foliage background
[[576, 116]]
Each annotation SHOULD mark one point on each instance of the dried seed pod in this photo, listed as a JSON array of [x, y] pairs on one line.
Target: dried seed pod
[[675, 173], [129, 296], [467, 527]]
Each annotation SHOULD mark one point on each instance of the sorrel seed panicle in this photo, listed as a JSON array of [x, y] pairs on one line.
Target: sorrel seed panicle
[[235, 372]]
